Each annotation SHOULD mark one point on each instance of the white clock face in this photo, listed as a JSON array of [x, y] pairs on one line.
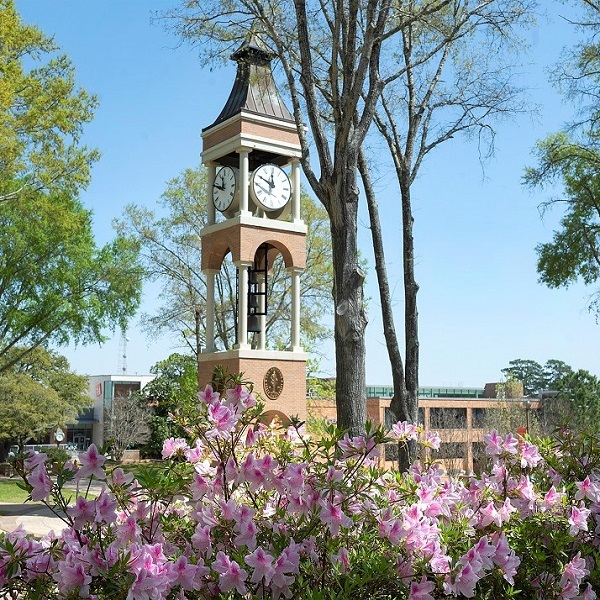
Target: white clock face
[[270, 187], [224, 188]]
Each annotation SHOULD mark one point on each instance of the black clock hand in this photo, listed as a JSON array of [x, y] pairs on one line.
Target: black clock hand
[[269, 183]]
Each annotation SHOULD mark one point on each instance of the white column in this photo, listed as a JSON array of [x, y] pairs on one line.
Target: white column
[[210, 309], [242, 324], [295, 190], [210, 205], [244, 179], [263, 318], [295, 330]]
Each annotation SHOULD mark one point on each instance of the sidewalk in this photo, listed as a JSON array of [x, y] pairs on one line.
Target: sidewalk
[[34, 517]]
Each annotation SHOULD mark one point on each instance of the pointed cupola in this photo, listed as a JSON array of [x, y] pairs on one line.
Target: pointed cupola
[[254, 89], [254, 115]]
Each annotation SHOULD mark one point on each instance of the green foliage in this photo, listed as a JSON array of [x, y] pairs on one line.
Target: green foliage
[[42, 113], [55, 284], [536, 377], [38, 392], [171, 252], [579, 394], [173, 390], [572, 158]]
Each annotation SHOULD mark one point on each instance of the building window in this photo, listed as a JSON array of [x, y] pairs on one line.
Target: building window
[[448, 418]]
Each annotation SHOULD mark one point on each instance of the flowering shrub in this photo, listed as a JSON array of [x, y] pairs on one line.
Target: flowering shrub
[[239, 510]]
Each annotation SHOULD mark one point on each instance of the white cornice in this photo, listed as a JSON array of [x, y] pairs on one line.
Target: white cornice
[[248, 353], [257, 222]]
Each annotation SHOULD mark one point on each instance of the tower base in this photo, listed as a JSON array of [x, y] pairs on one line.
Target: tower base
[[278, 377]]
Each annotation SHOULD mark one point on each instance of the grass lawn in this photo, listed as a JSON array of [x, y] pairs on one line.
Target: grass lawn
[[9, 492]]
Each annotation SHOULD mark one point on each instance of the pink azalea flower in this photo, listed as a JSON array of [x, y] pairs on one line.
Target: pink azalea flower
[[185, 573], [341, 558], [588, 593], [201, 539], [73, 576], [403, 430], [432, 440], [505, 558], [82, 512], [196, 453], [587, 489], [41, 483], [239, 396], [530, 457], [575, 571], [106, 506], [33, 460], [119, 477], [421, 590], [334, 517], [128, 531], [493, 443], [209, 396], [91, 464], [488, 515], [174, 448], [231, 575], [552, 498], [224, 421], [465, 581], [578, 519], [511, 444], [262, 564]]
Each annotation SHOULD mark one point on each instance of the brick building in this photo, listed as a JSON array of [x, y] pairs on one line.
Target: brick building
[[459, 415]]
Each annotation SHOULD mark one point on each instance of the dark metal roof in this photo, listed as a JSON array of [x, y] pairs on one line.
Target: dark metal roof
[[254, 89]]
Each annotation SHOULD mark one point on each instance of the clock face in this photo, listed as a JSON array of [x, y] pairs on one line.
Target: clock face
[[224, 188], [270, 187]]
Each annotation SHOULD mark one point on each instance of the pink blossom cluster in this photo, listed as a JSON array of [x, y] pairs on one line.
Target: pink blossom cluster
[[243, 511]]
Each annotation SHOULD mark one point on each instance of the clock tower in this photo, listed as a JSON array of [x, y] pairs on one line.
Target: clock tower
[[252, 152]]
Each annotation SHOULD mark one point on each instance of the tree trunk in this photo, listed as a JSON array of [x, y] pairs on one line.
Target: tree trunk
[[350, 318], [411, 326], [404, 404]]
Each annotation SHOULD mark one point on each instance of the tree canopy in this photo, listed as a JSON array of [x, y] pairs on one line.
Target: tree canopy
[[55, 283], [535, 377], [173, 389], [38, 392], [42, 113], [337, 59], [571, 159], [171, 249]]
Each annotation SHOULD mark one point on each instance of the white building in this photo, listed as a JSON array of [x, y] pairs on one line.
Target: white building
[[89, 427]]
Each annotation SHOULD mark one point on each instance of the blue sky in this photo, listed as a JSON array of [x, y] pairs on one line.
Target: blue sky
[[476, 226]]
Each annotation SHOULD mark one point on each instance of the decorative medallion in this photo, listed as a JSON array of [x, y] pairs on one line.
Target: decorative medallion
[[273, 383]]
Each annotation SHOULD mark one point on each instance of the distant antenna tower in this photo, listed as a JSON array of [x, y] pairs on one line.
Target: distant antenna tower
[[122, 367]]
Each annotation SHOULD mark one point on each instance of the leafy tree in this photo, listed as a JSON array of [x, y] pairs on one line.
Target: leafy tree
[[554, 373], [55, 283], [529, 372], [171, 255], [126, 423], [572, 158], [173, 389], [456, 78], [38, 392], [42, 114], [576, 405], [535, 377], [337, 59]]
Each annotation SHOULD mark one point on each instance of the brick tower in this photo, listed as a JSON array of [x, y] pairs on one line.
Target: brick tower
[[252, 152]]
